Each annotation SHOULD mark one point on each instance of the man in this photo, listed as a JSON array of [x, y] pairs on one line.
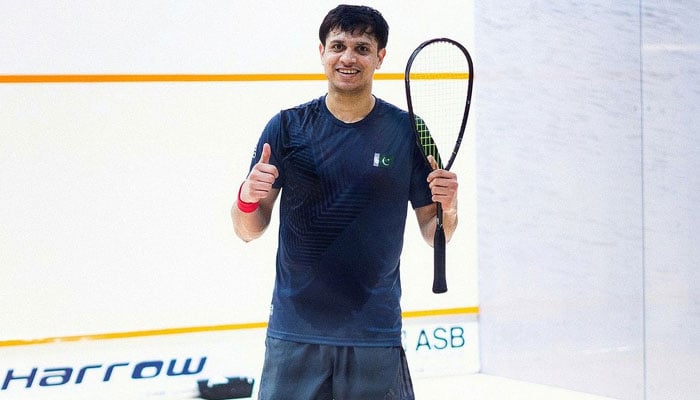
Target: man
[[346, 165]]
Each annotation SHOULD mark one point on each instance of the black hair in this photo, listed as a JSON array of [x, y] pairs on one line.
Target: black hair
[[356, 20]]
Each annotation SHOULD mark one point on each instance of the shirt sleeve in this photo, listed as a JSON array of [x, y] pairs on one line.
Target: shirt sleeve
[[420, 194]]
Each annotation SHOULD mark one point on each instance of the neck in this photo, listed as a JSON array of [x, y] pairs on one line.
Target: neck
[[350, 109]]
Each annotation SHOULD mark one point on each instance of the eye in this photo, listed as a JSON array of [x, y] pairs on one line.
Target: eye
[[337, 47]]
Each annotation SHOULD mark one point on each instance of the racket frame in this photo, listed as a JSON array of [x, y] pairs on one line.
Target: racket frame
[[439, 242]]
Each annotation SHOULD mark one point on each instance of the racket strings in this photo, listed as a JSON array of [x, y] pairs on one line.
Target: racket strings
[[438, 83], [426, 142]]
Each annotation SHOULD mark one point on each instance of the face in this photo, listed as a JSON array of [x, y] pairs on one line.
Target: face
[[350, 61]]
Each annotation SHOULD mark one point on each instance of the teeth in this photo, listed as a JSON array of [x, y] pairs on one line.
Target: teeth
[[347, 71]]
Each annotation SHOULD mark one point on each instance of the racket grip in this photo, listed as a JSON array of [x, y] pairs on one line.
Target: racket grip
[[439, 278]]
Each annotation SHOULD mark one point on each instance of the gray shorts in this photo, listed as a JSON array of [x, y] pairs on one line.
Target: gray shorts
[[301, 371]]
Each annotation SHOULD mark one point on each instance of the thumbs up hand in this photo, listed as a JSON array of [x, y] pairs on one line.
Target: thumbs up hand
[[260, 179]]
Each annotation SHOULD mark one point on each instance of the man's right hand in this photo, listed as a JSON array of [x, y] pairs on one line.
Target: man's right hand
[[260, 179]]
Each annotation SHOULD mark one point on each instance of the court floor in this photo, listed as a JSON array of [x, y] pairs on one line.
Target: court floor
[[469, 387], [487, 387], [465, 387]]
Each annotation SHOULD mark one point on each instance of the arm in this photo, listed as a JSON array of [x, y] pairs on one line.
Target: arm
[[249, 226], [257, 188], [443, 184]]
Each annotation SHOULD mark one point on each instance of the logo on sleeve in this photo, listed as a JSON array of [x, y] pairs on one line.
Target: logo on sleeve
[[383, 160]]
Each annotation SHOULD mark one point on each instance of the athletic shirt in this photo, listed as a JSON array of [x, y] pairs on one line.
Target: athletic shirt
[[345, 189]]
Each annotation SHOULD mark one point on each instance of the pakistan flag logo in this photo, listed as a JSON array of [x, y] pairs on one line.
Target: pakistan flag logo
[[383, 160]]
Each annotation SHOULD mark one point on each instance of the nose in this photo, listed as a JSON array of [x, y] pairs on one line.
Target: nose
[[348, 57]]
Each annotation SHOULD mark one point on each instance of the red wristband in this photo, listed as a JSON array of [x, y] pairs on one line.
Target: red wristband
[[244, 206]]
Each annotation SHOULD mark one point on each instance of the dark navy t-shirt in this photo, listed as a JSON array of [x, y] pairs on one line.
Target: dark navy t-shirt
[[345, 189]]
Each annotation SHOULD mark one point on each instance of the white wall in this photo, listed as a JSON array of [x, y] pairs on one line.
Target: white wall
[[116, 195], [671, 99], [587, 160]]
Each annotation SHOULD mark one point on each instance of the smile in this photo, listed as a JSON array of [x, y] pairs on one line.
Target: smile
[[348, 71]]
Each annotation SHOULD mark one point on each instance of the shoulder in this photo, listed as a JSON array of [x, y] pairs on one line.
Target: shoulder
[[387, 107], [294, 116], [390, 111], [388, 114], [314, 106]]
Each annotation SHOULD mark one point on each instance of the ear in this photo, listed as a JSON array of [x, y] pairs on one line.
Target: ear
[[321, 48], [381, 55]]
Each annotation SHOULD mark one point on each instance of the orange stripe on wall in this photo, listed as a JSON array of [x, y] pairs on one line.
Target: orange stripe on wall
[[103, 78], [214, 328]]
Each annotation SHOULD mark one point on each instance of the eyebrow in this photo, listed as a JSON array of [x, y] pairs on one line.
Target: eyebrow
[[341, 41]]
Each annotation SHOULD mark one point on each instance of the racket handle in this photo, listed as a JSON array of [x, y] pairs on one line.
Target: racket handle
[[439, 276]]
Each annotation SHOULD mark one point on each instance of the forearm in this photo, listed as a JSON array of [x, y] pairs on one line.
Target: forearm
[[250, 220], [449, 222], [249, 226], [427, 221]]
